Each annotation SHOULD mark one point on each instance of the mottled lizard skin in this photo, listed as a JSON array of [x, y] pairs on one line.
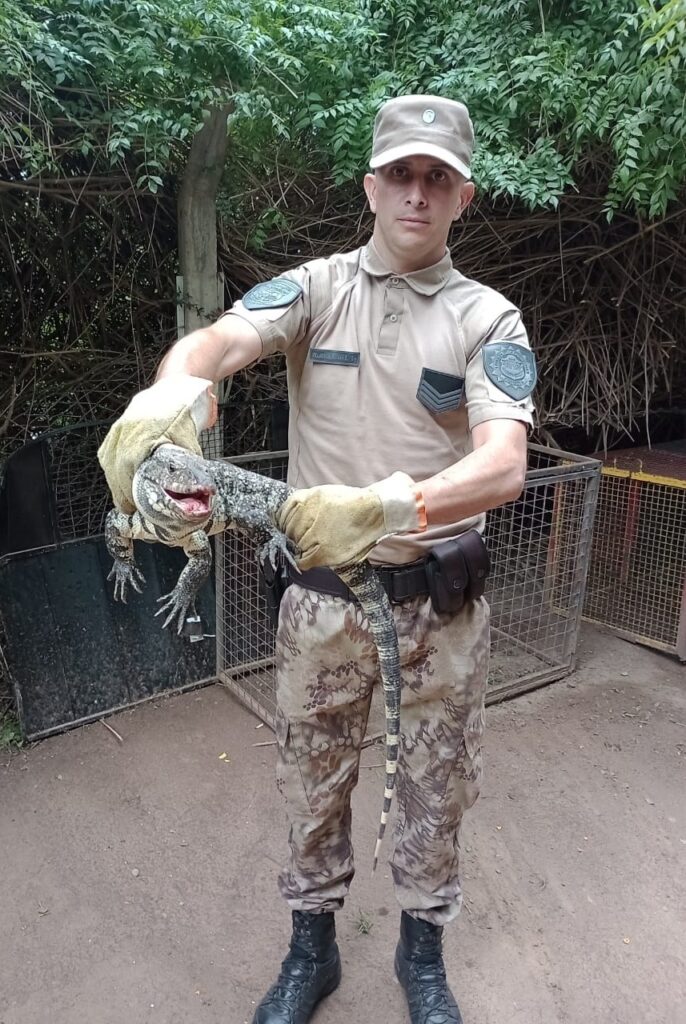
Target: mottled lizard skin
[[181, 499]]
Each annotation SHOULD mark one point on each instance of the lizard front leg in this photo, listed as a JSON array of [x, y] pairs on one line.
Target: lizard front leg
[[119, 529], [182, 598]]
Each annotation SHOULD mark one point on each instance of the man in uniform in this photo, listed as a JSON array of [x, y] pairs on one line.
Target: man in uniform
[[409, 389]]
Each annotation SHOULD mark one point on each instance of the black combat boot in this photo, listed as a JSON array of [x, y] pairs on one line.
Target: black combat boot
[[311, 970], [420, 970]]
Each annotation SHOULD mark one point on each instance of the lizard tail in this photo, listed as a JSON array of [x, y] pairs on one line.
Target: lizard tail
[[363, 582], [392, 746]]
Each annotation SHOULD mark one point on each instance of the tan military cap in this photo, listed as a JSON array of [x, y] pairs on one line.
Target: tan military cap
[[423, 126]]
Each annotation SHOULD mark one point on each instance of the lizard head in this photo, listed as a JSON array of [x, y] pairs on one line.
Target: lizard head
[[173, 485]]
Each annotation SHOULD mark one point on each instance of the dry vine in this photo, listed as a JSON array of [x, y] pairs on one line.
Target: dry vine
[[87, 296], [605, 304]]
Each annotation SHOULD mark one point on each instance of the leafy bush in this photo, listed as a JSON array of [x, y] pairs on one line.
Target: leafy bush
[[557, 92]]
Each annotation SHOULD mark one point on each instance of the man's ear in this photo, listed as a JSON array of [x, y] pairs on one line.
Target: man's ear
[[466, 196], [370, 188]]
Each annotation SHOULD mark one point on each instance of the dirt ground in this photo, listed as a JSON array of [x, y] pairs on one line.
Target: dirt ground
[[138, 879]]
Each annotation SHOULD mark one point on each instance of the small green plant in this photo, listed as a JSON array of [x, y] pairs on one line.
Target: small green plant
[[364, 923], [10, 732]]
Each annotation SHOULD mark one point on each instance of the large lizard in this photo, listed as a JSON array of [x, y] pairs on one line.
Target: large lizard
[[181, 499]]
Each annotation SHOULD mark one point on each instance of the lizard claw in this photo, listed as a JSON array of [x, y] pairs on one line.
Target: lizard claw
[[175, 604], [277, 547], [123, 574]]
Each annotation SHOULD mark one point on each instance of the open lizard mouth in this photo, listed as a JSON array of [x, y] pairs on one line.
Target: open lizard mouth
[[193, 504]]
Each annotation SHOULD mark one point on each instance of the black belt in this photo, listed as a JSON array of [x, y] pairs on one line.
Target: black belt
[[401, 582]]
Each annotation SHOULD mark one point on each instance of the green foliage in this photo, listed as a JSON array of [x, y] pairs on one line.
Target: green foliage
[[10, 732], [557, 92], [666, 25], [553, 90], [127, 82]]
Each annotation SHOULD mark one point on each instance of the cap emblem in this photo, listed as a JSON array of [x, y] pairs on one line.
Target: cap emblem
[[429, 116]]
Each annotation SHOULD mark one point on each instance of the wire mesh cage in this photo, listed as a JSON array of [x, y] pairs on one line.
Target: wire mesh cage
[[80, 494], [68, 651], [54, 490], [539, 548], [637, 571]]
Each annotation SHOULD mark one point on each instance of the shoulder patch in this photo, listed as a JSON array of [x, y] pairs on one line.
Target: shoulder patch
[[279, 291], [511, 367]]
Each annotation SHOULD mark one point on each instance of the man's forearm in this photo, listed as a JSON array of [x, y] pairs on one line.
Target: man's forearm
[[484, 479], [196, 355], [213, 352]]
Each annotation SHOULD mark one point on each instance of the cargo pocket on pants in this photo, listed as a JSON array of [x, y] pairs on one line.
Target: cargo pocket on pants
[[464, 781], [290, 779]]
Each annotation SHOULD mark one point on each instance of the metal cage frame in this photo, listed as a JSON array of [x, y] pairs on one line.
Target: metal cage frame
[[539, 544], [637, 571]]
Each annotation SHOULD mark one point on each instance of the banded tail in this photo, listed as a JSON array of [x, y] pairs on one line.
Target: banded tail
[[363, 582]]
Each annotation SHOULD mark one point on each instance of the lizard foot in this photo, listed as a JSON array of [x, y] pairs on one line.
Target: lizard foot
[[124, 573], [277, 547], [176, 604]]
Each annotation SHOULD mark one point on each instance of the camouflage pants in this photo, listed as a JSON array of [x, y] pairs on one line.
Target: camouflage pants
[[326, 670]]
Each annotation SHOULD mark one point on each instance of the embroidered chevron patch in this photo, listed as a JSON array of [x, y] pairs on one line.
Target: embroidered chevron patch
[[439, 392]]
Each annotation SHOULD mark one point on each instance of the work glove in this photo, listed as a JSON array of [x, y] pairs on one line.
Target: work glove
[[173, 411], [336, 525]]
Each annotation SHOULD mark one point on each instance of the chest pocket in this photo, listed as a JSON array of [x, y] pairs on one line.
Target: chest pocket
[[440, 392]]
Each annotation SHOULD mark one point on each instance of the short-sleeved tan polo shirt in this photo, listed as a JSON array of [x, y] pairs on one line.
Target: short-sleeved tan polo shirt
[[386, 372]]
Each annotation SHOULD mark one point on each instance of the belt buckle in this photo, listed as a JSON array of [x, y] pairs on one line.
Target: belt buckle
[[401, 581], [396, 581], [385, 578]]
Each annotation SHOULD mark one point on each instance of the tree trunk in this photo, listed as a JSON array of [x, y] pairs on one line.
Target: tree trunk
[[197, 220]]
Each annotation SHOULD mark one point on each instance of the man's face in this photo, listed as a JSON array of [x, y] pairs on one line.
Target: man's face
[[415, 201]]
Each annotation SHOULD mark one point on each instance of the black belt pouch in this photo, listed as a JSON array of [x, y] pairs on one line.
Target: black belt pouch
[[478, 562], [456, 571]]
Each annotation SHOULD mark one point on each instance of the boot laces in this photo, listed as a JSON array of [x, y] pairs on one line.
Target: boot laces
[[294, 974], [430, 977], [302, 930], [296, 969]]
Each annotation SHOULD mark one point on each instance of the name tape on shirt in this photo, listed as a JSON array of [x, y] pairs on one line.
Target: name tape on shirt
[[511, 367], [272, 294], [333, 356]]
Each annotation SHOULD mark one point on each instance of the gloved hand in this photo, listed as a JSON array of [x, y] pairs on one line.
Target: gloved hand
[[335, 525], [173, 411]]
